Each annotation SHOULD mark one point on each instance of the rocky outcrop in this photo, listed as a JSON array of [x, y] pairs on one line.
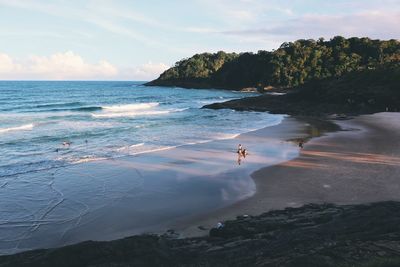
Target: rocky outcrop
[[313, 235], [362, 92]]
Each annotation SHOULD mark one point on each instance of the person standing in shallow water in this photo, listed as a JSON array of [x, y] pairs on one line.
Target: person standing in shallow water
[[239, 152], [239, 160], [240, 148], [242, 152]]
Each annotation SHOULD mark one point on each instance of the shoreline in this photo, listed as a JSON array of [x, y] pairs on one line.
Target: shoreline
[[355, 231], [304, 179], [363, 174], [290, 130], [338, 167], [283, 134], [147, 193]]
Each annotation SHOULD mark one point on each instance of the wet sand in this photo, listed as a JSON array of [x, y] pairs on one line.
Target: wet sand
[[358, 165], [199, 185], [111, 199]]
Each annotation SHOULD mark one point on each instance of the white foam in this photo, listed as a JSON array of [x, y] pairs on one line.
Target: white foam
[[130, 114], [180, 109], [25, 127], [223, 136], [136, 145], [87, 159], [130, 110], [154, 150], [130, 146], [130, 107], [162, 148]]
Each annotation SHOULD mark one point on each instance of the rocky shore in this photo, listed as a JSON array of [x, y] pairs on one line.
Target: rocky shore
[[312, 235], [361, 92]]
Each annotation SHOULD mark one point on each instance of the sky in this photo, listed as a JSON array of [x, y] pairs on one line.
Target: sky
[[138, 40]]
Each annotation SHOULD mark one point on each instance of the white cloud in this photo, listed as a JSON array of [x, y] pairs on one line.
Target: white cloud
[[235, 13], [176, 29], [59, 66], [7, 64], [374, 24], [145, 72], [71, 66]]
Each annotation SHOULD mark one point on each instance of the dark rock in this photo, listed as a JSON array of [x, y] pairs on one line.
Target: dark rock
[[360, 92], [313, 235]]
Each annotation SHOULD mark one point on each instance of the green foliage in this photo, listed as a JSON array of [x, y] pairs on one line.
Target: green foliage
[[199, 66], [293, 64]]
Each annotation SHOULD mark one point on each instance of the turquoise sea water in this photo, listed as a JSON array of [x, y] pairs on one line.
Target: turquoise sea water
[[107, 120]]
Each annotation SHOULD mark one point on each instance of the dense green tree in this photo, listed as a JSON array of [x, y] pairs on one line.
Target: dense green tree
[[198, 67], [292, 64]]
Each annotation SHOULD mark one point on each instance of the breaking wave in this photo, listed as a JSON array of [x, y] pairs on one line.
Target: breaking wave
[[25, 127], [132, 110], [130, 114], [130, 107]]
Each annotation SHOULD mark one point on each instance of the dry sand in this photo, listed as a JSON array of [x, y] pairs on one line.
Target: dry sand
[[358, 165]]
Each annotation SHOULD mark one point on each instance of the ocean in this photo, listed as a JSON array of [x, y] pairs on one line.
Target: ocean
[[50, 124], [104, 160]]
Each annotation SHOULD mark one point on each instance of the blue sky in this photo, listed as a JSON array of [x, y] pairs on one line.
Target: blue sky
[[137, 40]]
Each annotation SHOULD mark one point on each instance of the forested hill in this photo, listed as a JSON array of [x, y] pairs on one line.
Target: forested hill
[[292, 64]]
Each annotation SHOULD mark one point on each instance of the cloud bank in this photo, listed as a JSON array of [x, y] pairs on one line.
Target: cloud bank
[[71, 66], [374, 24], [149, 70], [132, 33]]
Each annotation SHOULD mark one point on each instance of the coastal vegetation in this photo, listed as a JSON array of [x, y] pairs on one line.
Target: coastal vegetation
[[292, 64]]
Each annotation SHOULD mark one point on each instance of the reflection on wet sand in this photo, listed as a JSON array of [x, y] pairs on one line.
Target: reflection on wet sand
[[126, 196]]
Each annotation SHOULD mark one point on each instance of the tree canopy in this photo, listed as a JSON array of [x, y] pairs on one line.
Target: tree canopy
[[292, 64]]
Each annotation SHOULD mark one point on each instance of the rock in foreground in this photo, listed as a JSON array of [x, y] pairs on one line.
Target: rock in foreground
[[313, 235]]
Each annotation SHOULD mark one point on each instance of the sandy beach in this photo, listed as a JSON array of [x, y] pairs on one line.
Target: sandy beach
[[191, 188], [360, 164]]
